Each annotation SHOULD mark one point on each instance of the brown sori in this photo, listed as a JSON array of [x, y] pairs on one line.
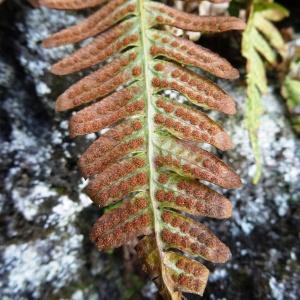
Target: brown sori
[[148, 164]]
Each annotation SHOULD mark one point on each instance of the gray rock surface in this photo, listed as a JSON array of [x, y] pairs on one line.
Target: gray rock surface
[[45, 217]]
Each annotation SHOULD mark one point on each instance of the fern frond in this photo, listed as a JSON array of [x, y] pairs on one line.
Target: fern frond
[[291, 92], [290, 89], [261, 43], [149, 161]]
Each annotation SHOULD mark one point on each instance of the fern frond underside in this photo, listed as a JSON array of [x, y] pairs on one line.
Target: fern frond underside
[[149, 161]]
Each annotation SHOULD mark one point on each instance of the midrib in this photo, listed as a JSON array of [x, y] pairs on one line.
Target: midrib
[[150, 134]]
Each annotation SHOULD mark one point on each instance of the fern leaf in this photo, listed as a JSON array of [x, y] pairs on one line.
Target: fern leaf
[[146, 167], [291, 92], [290, 88], [261, 42]]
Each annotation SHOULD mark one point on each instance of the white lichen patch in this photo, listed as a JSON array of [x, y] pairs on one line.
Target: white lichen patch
[[42, 89], [66, 211], [28, 201], [277, 289], [81, 295], [29, 265], [218, 275]]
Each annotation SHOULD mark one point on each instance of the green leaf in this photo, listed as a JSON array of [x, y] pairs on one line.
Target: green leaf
[[271, 33], [292, 93], [262, 46], [261, 42], [271, 11]]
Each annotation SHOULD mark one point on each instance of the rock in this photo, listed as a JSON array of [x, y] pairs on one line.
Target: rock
[[46, 217]]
